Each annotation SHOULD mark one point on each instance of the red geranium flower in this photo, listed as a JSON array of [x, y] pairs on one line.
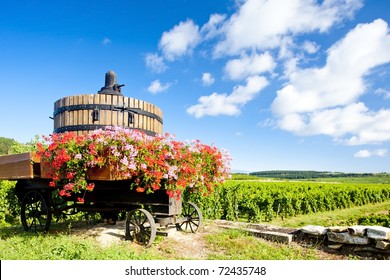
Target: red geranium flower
[[150, 162]]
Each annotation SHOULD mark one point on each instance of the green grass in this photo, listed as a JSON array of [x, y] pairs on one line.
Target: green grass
[[18, 245], [223, 245], [238, 245]]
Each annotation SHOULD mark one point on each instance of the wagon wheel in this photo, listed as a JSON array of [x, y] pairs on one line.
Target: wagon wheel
[[35, 213], [140, 227], [193, 218]]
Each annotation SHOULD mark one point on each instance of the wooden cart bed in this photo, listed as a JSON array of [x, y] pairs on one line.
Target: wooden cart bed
[[19, 166]]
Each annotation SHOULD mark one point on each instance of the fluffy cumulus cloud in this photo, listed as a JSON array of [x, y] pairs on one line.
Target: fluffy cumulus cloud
[[317, 91], [228, 104], [245, 66], [354, 124], [156, 87], [262, 24], [367, 153], [326, 100], [180, 40]]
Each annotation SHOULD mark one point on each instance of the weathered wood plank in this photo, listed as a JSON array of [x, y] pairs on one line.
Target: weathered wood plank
[[19, 166], [80, 114]]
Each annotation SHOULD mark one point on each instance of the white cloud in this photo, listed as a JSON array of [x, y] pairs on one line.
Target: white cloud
[[316, 100], [106, 41], [340, 81], [260, 24], [180, 40], [155, 62], [245, 66], [224, 104], [310, 47], [374, 128], [269, 122], [213, 27], [207, 79], [354, 124], [362, 154], [156, 87], [326, 100], [367, 153], [380, 152], [384, 92], [285, 47], [290, 66]]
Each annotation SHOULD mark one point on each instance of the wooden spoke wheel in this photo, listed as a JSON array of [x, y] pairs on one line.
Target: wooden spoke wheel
[[140, 227], [35, 212], [193, 218]]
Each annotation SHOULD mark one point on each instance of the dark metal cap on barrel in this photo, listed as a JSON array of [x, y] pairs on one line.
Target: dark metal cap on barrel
[[111, 86]]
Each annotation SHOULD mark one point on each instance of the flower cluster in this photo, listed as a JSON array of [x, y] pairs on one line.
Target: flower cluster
[[148, 162]]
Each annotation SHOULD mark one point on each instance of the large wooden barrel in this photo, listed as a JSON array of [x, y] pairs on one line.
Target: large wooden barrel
[[81, 113]]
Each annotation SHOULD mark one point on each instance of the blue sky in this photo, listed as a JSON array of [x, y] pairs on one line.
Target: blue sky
[[281, 84]]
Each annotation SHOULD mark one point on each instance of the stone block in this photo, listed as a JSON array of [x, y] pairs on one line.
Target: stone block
[[338, 229], [380, 244], [314, 230], [357, 230], [378, 232], [279, 237], [335, 246], [346, 238]]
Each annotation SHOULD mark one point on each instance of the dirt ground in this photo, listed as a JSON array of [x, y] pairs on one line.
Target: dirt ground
[[194, 246], [189, 246]]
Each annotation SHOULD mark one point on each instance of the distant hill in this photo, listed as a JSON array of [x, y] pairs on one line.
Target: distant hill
[[308, 174]]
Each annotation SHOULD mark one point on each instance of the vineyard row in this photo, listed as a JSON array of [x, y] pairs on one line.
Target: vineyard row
[[263, 201]]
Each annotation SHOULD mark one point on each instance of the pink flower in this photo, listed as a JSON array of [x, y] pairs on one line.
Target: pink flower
[[68, 187]]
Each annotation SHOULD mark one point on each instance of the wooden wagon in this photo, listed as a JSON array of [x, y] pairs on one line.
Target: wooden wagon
[[80, 113], [145, 213]]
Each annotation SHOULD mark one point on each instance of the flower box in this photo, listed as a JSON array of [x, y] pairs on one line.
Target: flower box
[[105, 173], [120, 154], [19, 166]]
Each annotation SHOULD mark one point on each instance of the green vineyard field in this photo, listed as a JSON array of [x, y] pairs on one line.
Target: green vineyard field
[[257, 201]]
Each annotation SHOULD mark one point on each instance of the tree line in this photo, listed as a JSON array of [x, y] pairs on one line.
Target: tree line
[[10, 146], [305, 174]]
